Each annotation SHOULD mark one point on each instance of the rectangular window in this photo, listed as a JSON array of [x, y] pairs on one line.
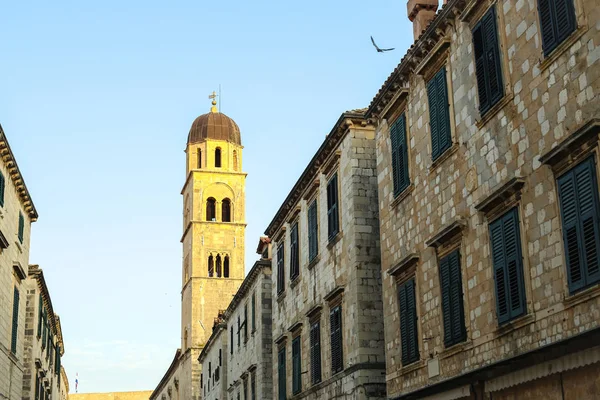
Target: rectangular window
[[2, 189], [439, 114], [315, 352], [508, 266], [280, 267], [253, 312], [281, 374], [245, 388], [245, 323], [579, 209], [452, 299], [399, 155], [40, 312], [313, 229], [253, 386], [294, 252], [487, 61], [239, 331], [44, 329], [231, 341], [21, 227], [558, 21], [335, 320], [408, 322], [333, 222], [296, 366], [37, 387], [15, 321]]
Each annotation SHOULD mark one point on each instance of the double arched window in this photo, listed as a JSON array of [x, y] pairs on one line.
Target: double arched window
[[226, 210], [211, 209]]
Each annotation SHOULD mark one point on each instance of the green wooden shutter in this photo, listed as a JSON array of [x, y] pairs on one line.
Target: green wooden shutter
[[37, 387], [315, 352], [487, 61], [565, 18], [280, 267], [281, 375], [413, 344], [15, 321], [231, 342], [294, 253], [2, 189], [439, 115], [557, 20], [403, 323], [245, 323], [579, 206], [296, 366], [549, 40], [456, 298], [433, 117], [40, 312], [446, 304], [335, 321], [399, 155], [313, 243], [253, 312], [332, 207], [21, 227]]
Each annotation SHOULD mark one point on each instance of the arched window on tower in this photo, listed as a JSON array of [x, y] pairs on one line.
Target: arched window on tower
[[235, 161], [199, 158], [218, 157], [226, 210], [226, 267], [218, 265], [211, 213], [211, 266]]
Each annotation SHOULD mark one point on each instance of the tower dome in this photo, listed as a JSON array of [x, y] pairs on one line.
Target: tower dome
[[216, 126]]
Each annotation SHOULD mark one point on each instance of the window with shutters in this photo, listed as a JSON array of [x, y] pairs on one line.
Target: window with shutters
[[557, 20], [253, 386], [487, 61], [294, 252], [44, 329], [335, 324], [281, 378], [296, 366], [452, 299], [580, 211], [408, 322], [280, 268], [245, 322], [21, 227], [333, 223], [15, 321], [313, 229], [40, 312], [2, 189], [439, 114], [239, 330], [253, 312], [399, 155], [231, 340], [315, 352], [508, 266]]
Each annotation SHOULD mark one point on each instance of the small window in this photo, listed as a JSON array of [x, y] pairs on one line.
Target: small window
[[508, 266], [315, 352], [487, 61], [296, 366], [235, 161], [280, 267], [408, 322], [281, 378], [218, 157], [313, 231], [211, 214], [21, 227], [211, 266], [226, 210], [399, 155], [335, 320], [199, 158], [580, 211], [226, 267], [333, 223], [2, 189], [439, 114], [294, 252], [15, 321], [218, 265], [558, 21], [452, 299]]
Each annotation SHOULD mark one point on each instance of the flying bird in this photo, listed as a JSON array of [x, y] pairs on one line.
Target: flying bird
[[377, 47]]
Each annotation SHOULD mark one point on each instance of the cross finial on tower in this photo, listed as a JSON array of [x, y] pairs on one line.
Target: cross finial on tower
[[213, 96]]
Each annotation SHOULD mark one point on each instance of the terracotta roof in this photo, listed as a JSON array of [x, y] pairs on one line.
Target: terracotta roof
[[214, 125]]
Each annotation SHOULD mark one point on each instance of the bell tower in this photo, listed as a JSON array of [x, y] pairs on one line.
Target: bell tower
[[214, 227]]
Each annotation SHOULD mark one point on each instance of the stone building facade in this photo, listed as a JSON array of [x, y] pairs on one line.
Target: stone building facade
[[213, 242], [327, 310], [213, 379], [487, 165], [43, 376], [17, 212]]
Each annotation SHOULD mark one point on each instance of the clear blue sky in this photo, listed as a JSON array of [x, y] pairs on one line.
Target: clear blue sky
[[97, 98]]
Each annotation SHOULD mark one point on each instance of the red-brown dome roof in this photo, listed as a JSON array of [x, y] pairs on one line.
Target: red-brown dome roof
[[216, 126]]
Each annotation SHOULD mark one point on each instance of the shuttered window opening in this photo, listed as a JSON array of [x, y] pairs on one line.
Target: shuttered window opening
[[452, 299], [280, 268], [335, 321], [231, 340], [253, 312], [315, 352], [508, 266], [487, 61], [281, 389], [40, 312], [333, 222], [408, 322], [579, 209], [313, 229], [296, 366], [15, 321], [245, 323], [439, 114], [557, 20], [21, 227], [294, 252], [253, 386], [399, 155], [2, 189]]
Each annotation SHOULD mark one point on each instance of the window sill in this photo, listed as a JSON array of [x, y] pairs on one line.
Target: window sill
[[333, 241], [494, 110], [563, 47], [443, 157], [514, 324], [402, 195], [314, 262], [295, 281], [415, 365], [456, 348], [582, 296]]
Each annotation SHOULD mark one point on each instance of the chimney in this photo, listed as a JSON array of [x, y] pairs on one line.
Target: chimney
[[421, 12]]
